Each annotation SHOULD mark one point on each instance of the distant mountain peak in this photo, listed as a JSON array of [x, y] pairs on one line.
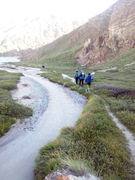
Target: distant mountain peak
[[33, 33]]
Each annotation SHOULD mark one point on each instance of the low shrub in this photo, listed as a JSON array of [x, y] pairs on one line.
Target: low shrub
[[5, 124], [78, 166], [94, 143]]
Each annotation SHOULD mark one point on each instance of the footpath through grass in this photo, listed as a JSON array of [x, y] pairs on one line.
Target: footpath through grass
[[9, 109], [94, 144], [122, 103]]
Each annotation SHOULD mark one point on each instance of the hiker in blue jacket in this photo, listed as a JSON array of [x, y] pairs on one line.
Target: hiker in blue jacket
[[76, 76], [82, 77], [88, 80]]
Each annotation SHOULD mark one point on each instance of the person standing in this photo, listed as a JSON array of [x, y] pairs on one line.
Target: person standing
[[88, 80], [76, 76], [82, 77]]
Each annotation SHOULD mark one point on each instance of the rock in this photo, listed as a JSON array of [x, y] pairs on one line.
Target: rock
[[113, 35], [60, 175]]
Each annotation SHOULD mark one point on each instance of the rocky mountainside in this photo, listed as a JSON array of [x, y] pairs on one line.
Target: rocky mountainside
[[102, 38], [111, 34], [22, 37]]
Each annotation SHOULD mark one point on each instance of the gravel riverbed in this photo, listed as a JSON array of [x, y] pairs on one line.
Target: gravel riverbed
[[54, 108]]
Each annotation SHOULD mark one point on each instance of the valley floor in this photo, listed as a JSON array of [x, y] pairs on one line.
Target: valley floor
[[19, 147]]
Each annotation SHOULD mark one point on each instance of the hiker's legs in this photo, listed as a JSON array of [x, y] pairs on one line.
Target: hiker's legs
[[88, 87], [82, 82], [76, 80]]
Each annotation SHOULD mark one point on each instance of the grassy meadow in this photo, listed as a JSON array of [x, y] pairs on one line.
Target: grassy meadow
[[94, 143], [9, 109]]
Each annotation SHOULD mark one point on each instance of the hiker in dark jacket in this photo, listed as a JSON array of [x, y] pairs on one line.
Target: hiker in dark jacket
[[82, 77], [76, 76], [88, 80]]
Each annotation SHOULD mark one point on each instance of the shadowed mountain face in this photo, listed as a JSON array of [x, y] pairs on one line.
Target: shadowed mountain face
[[102, 38]]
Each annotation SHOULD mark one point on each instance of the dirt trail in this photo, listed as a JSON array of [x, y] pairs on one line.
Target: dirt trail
[[128, 135]]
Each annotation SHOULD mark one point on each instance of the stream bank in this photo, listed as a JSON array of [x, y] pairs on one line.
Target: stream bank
[[54, 108]]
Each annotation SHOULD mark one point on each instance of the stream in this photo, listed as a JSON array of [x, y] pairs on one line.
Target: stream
[[54, 107]]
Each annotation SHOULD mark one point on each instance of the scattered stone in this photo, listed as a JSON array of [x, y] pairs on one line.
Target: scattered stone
[[25, 85], [26, 97]]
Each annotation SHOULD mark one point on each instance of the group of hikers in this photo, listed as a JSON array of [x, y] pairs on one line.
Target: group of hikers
[[81, 77]]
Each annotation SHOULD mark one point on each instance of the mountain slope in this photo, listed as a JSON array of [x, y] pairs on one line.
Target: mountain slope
[[117, 38], [25, 36], [102, 38]]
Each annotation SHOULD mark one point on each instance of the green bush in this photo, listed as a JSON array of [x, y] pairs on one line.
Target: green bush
[[9, 85], [5, 124]]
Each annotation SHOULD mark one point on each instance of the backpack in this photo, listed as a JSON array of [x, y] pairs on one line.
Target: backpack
[[76, 75], [82, 74]]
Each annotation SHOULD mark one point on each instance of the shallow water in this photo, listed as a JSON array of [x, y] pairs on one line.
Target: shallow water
[[4, 60], [54, 107]]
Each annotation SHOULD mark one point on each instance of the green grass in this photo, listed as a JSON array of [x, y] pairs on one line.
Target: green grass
[[106, 152], [9, 109], [122, 103], [93, 144], [119, 80], [122, 77], [8, 80], [78, 166]]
